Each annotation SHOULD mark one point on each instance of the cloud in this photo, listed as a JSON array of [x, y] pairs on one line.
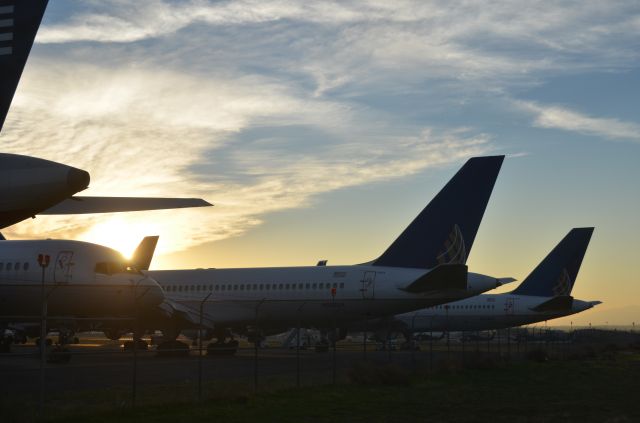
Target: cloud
[[563, 118], [354, 44], [141, 131]]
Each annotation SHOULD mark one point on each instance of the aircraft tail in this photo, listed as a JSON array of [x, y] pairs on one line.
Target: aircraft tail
[[443, 233], [556, 274], [19, 22], [143, 254]]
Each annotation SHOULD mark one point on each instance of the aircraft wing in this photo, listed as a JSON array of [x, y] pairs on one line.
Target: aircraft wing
[[86, 205]]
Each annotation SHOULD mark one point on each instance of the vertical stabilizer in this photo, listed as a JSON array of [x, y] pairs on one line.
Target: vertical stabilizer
[[19, 22], [443, 233], [557, 273], [143, 254]]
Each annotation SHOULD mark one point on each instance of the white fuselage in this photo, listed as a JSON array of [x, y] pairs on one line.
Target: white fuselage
[[81, 280], [316, 295], [484, 312]]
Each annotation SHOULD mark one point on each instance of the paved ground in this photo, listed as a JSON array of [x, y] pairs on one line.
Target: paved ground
[[97, 364]]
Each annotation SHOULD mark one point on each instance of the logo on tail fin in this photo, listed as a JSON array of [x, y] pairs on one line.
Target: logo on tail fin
[[563, 285], [6, 35], [454, 251]]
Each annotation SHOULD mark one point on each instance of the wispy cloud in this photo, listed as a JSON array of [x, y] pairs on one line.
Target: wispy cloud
[[498, 41], [559, 117], [144, 132]]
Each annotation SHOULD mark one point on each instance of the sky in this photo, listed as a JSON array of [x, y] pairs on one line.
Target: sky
[[320, 129]]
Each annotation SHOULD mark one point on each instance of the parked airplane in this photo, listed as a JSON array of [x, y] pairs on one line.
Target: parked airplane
[[425, 265], [30, 186], [82, 280], [544, 295]]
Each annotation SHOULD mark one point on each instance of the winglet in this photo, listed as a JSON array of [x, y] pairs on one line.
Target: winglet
[[443, 233], [143, 254], [19, 22]]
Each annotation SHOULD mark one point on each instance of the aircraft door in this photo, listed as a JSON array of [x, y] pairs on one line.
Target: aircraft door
[[63, 263], [509, 306], [368, 284]]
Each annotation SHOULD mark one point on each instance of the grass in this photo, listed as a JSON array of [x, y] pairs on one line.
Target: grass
[[586, 390]]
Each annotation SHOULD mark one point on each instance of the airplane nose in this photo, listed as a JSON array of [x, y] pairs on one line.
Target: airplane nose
[[153, 294], [77, 179]]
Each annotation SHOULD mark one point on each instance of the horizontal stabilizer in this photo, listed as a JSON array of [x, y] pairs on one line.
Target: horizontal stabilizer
[[143, 254], [504, 281], [86, 205], [564, 302], [444, 277], [595, 303]]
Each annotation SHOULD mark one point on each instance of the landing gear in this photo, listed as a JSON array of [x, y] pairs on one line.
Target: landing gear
[[59, 353], [5, 344], [222, 346], [170, 346], [322, 346], [142, 345]]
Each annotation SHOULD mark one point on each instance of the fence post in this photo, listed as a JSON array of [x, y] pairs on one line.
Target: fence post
[[200, 347], [43, 261]]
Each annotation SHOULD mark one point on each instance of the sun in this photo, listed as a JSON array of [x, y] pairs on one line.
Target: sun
[[120, 233]]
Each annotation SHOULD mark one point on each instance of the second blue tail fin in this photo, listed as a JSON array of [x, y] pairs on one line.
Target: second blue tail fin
[[556, 274], [19, 22], [443, 233]]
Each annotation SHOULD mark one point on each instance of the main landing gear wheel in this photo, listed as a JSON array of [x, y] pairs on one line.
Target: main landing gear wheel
[[224, 345], [141, 345], [223, 348]]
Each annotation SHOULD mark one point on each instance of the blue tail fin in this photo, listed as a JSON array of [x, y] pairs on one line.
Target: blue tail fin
[[443, 233], [19, 22], [556, 274]]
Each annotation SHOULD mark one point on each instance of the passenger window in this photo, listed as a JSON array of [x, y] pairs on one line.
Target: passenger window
[[17, 266], [255, 287], [315, 285], [25, 266], [1, 266], [286, 286], [242, 287], [293, 286], [235, 287], [268, 287], [335, 284], [308, 286], [321, 285], [341, 285], [280, 286], [261, 286]]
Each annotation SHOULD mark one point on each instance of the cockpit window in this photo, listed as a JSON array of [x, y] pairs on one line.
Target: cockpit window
[[111, 268]]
